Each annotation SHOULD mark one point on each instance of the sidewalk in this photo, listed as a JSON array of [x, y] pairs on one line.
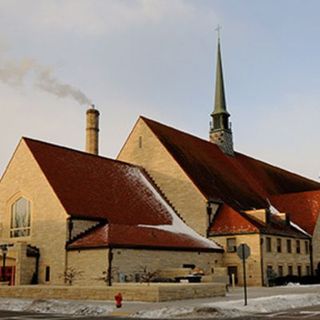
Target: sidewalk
[[236, 295]]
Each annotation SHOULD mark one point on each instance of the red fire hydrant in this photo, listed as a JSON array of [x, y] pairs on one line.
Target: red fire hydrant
[[118, 300]]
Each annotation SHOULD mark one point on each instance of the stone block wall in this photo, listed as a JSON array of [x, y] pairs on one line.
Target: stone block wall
[[23, 178], [131, 261], [90, 263], [25, 266], [144, 149], [253, 263], [316, 245], [130, 292], [285, 259], [260, 258], [126, 263]]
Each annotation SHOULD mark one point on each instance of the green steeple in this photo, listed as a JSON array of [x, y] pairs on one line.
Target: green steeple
[[220, 127], [220, 100]]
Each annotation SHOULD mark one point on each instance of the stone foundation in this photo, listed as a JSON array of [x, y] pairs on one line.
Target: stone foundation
[[131, 292]]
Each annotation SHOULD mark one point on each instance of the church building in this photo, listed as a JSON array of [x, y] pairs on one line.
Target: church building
[[231, 197], [104, 219], [169, 200]]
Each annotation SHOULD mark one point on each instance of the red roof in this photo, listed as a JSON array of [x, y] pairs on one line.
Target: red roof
[[239, 181], [136, 237], [303, 207], [94, 187], [228, 221]]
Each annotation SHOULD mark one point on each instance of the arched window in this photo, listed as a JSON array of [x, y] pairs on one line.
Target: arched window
[[20, 218]]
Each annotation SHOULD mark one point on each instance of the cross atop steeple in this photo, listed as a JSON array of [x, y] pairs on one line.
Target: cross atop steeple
[[218, 28], [220, 129]]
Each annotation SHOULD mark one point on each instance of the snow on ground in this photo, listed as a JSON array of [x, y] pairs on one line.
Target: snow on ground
[[236, 308], [222, 307], [55, 306]]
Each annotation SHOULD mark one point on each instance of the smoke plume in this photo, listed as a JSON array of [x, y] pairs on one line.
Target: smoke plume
[[15, 73], [47, 82]]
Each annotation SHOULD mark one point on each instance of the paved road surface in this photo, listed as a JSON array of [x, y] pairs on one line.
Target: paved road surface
[[311, 313]]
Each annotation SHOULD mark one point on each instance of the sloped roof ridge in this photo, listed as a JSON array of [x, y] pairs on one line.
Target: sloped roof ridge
[[150, 121], [296, 193], [281, 169], [80, 152], [180, 131]]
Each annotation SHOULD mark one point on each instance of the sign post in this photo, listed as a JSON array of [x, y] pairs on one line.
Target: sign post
[[243, 252]]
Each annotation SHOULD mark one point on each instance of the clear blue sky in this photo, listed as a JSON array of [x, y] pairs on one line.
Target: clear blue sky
[[157, 58]]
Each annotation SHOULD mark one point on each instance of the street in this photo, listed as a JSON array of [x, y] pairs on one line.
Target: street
[[302, 313]]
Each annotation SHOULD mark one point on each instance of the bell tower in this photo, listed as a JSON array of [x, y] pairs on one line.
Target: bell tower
[[220, 127]]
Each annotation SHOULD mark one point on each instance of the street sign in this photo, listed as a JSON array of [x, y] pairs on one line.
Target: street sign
[[243, 251]]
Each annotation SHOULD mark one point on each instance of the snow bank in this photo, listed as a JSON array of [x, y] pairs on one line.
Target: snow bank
[[55, 306], [236, 308]]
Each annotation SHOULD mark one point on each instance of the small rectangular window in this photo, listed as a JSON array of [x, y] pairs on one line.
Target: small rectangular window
[[289, 246], [279, 248], [47, 274], [268, 244], [298, 249], [290, 270], [231, 245], [280, 271]]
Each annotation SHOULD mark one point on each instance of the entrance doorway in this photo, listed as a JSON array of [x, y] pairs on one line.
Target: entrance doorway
[[9, 273], [233, 270]]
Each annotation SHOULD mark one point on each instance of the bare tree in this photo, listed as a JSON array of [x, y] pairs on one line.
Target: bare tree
[[70, 274], [147, 275]]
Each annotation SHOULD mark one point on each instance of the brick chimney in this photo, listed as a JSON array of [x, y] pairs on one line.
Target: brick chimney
[[92, 130]]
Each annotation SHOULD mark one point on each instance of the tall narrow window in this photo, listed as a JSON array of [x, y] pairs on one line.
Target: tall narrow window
[[298, 249], [47, 274], [289, 246], [20, 218], [279, 249], [140, 142], [280, 271], [299, 269], [306, 245], [268, 244]]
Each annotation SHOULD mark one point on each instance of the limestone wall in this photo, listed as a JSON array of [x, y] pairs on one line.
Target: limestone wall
[[23, 178], [130, 261], [25, 266], [260, 259], [275, 259], [91, 264], [316, 245], [253, 263], [130, 292], [126, 263], [143, 148]]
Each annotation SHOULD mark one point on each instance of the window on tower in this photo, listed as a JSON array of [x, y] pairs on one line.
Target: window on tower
[[225, 123], [216, 123]]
